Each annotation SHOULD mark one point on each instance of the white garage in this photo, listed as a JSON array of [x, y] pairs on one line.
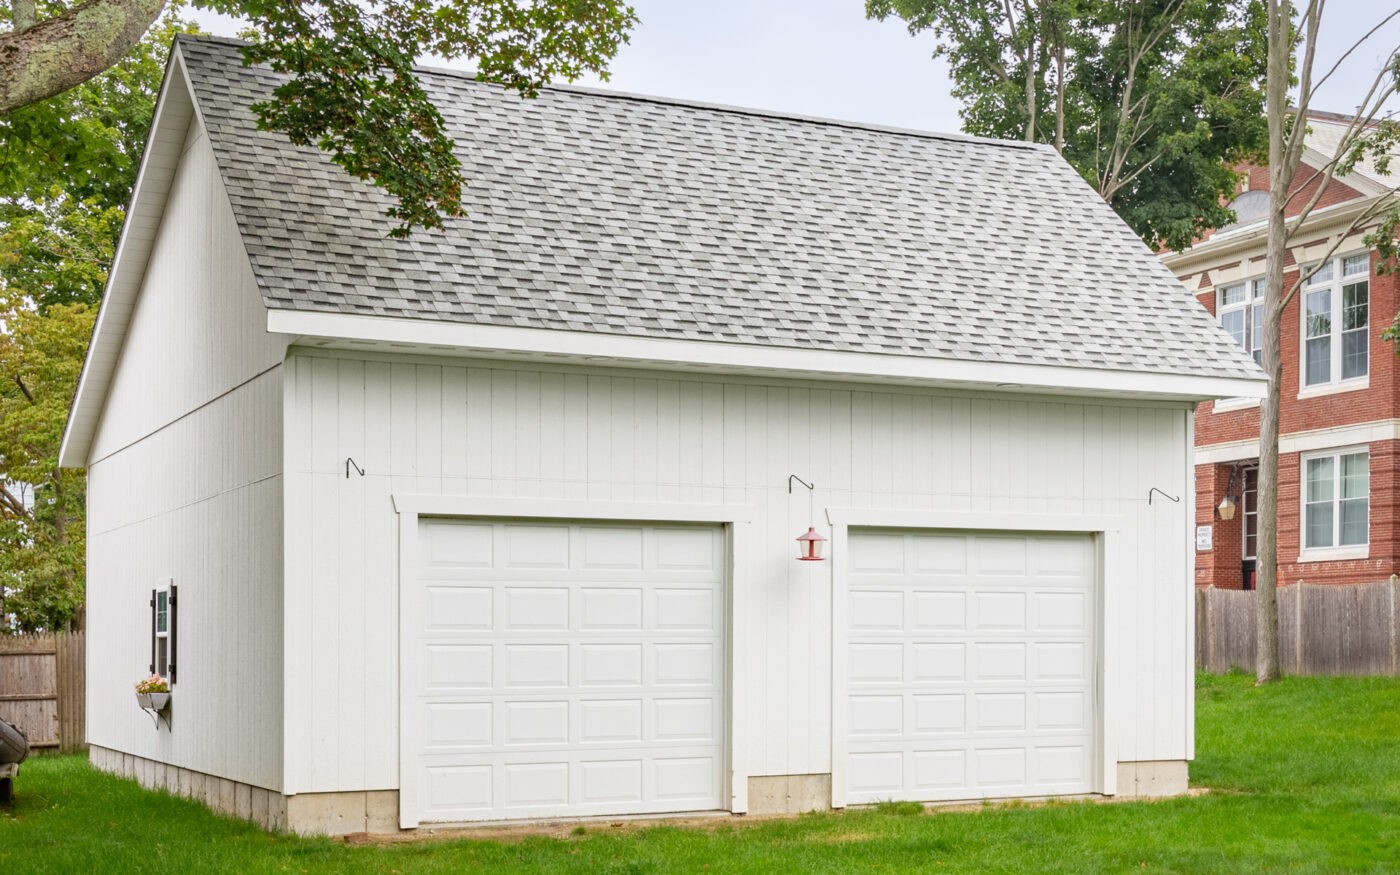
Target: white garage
[[969, 665], [498, 521], [564, 669]]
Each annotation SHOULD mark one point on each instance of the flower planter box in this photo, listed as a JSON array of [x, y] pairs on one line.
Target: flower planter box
[[153, 701]]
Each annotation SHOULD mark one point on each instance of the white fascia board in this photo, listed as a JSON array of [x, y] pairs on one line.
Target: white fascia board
[[494, 341], [174, 110]]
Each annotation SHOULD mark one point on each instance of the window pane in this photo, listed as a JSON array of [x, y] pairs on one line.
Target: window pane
[[1354, 309], [1356, 475], [1354, 354], [1319, 365], [1256, 328], [1231, 295], [1354, 521], [1233, 322], [1319, 313], [1319, 525], [1320, 479], [1323, 275], [1258, 288], [1356, 264]]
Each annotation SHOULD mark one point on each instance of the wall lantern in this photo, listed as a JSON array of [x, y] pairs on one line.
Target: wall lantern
[[809, 542], [1227, 505]]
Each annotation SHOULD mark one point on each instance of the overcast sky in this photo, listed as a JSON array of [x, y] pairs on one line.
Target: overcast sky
[[823, 58]]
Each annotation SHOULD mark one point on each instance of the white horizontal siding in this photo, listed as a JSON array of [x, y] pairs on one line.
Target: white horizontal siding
[[512, 431], [184, 481]]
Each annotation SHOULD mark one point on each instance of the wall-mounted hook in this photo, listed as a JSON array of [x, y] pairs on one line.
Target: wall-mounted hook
[[349, 463], [792, 477], [1163, 494]]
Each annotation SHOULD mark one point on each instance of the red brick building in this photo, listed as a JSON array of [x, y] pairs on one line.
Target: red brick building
[[1339, 446]]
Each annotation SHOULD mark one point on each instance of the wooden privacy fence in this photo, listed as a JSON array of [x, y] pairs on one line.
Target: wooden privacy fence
[[1321, 629], [42, 687]]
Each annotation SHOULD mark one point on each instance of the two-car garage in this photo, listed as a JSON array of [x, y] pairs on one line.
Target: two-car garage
[[574, 669]]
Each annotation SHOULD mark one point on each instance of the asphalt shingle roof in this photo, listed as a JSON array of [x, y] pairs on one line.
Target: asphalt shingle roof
[[635, 216]]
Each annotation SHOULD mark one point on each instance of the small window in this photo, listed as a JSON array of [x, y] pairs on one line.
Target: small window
[[1336, 508], [1336, 315], [1241, 310], [163, 620]]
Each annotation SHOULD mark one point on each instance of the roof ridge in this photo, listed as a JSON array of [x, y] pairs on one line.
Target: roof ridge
[[607, 93]]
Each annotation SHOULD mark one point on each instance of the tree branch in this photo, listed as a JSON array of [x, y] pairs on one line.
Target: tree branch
[[58, 53], [22, 14], [1380, 205]]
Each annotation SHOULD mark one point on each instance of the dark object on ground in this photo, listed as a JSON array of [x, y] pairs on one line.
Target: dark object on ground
[[14, 744], [8, 771]]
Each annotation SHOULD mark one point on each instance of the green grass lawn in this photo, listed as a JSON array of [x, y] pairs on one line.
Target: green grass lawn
[[1306, 775]]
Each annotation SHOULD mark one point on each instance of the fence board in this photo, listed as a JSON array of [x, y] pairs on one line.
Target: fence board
[[1336, 630], [42, 687]]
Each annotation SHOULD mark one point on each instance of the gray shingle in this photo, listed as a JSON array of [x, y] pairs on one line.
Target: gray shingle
[[643, 217]]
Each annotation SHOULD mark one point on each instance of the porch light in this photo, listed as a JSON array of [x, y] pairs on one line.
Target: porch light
[[811, 545], [809, 541], [1227, 505]]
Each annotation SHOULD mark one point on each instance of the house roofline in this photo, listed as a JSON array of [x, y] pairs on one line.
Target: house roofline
[[1250, 237], [396, 334]]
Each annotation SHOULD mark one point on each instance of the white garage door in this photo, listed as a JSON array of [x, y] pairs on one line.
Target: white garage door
[[558, 669], [969, 665]]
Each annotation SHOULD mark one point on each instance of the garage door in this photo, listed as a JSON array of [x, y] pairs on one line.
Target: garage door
[[969, 666], [564, 669]]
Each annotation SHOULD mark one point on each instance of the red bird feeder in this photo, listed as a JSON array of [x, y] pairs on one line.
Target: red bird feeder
[[811, 545]]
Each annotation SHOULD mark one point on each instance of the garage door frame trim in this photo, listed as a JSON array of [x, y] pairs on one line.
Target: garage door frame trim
[[1105, 533], [737, 520]]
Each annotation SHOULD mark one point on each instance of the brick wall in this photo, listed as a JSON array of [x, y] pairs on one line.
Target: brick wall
[[1378, 401], [1221, 566]]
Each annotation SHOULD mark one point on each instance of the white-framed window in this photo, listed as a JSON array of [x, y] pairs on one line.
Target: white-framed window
[[1336, 318], [1336, 499], [1240, 307]]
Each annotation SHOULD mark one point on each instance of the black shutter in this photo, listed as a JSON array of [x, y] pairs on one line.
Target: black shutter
[[172, 627], [153, 631]]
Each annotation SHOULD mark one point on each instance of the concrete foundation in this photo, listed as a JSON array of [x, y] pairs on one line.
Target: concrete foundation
[[1152, 779], [789, 794], [371, 811]]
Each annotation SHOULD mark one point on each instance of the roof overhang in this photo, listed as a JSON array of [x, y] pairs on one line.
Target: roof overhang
[[1249, 239], [398, 335], [174, 110]]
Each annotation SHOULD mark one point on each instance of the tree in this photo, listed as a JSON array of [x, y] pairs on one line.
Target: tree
[[41, 505], [1154, 102], [351, 89], [67, 167], [1292, 56]]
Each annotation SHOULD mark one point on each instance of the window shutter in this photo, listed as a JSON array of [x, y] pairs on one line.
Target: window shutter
[[174, 627], [153, 631]]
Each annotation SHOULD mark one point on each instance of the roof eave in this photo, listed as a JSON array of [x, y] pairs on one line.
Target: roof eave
[[314, 328]]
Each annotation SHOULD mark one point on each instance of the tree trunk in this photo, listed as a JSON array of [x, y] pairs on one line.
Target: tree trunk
[[58, 53], [1280, 18]]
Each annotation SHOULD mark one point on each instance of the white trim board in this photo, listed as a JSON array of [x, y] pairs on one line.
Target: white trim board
[[541, 344], [1104, 530], [1302, 441], [735, 518]]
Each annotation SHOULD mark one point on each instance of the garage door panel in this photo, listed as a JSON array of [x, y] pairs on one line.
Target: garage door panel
[[968, 666], [569, 670]]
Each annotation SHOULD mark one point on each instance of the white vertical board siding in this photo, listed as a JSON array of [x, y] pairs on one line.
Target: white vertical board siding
[[184, 482], [522, 431]]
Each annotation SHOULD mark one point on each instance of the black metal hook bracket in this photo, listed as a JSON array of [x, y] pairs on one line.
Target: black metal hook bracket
[[791, 477], [1171, 498], [349, 463]]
